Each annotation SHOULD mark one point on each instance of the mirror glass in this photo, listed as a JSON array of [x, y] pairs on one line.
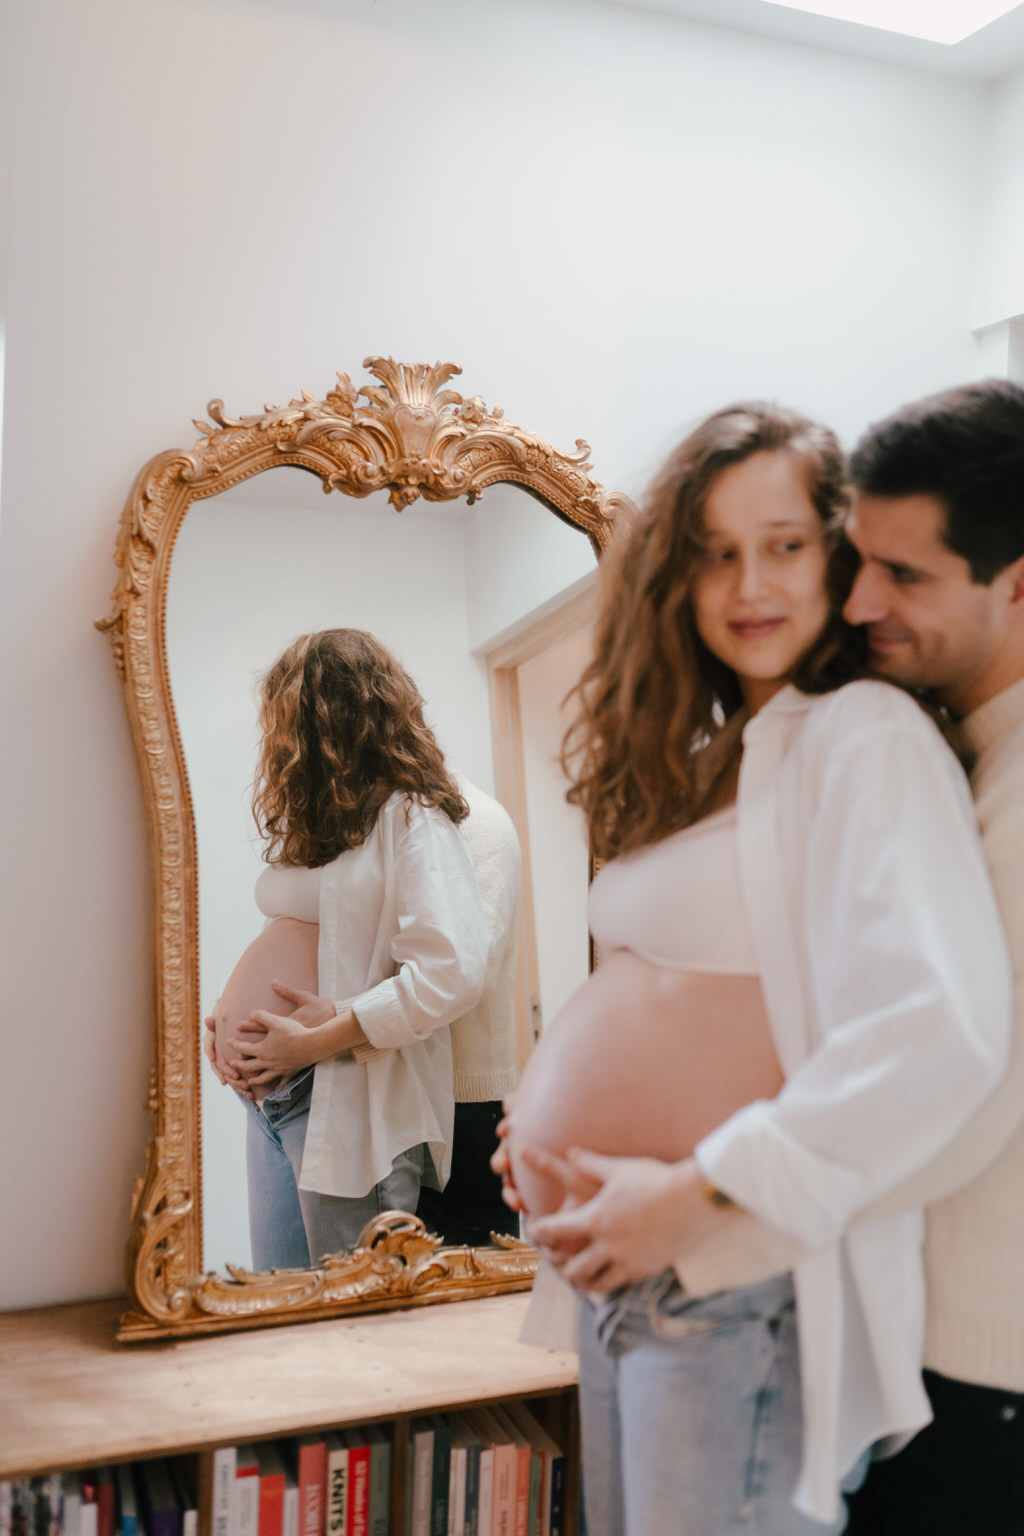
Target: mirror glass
[[443, 586]]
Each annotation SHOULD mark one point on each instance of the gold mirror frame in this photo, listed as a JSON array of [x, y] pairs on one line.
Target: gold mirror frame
[[410, 435]]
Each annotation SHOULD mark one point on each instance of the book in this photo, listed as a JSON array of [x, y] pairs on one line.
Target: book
[[185, 1486], [485, 1485], [521, 1481], [71, 1504], [464, 1481], [54, 1505], [6, 1507], [272, 1481], [224, 1461], [380, 1480], [246, 1505], [503, 1494], [312, 1472], [358, 1482], [127, 1502], [551, 1511], [161, 1510], [418, 1488], [337, 1485], [439, 1472], [106, 1500], [291, 1503]]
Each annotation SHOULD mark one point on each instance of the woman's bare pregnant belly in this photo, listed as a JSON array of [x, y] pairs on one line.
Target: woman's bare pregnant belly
[[285, 951], [643, 1061]]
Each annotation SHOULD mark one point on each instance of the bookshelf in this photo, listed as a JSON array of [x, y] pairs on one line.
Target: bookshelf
[[71, 1397]]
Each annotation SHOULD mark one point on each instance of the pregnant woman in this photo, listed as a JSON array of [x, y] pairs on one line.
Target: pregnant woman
[[803, 993], [376, 939]]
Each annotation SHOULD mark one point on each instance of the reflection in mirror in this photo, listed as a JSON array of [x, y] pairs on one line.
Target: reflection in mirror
[[447, 588]]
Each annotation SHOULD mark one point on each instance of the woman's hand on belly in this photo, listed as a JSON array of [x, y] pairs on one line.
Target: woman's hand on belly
[[623, 1218], [225, 1070], [281, 1045]]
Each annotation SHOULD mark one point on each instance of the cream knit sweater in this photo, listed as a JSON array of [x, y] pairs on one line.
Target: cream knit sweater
[[484, 1040], [974, 1191]]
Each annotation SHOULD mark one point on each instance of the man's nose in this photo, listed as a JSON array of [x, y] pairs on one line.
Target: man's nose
[[866, 603]]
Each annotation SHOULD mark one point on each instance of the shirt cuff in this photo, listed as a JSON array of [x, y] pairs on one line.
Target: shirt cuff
[[381, 1017], [364, 1051]]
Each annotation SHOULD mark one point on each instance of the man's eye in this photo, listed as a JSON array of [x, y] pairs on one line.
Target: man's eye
[[904, 577]]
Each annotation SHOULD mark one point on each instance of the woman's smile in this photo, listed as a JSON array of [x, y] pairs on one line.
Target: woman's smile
[[755, 629]]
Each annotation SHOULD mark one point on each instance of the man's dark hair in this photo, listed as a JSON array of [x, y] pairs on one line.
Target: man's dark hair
[[966, 448]]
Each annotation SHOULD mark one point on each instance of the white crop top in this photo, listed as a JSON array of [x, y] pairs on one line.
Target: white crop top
[[289, 890], [679, 902]]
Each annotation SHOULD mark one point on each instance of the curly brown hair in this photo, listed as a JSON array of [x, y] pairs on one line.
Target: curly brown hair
[[653, 697], [342, 730]]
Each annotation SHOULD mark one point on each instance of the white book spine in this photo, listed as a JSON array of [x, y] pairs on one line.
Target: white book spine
[[225, 1461], [291, 1509], [247, 1506]]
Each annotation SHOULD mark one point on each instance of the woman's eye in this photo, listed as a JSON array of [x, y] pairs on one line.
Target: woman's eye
[[789, 546]]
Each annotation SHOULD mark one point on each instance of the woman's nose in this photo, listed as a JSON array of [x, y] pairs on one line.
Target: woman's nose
[[752, 576]]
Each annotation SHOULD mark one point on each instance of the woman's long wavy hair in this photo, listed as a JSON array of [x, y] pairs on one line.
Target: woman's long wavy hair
[[342, 730], [640, 752]]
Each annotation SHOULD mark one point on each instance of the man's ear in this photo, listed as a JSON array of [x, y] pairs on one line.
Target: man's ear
[[1016, 572]]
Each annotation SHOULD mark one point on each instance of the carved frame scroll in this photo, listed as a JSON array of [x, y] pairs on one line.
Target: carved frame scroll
[[414, 437]]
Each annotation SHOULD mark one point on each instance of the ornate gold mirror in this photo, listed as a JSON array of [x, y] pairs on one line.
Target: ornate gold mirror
[[261, 558]]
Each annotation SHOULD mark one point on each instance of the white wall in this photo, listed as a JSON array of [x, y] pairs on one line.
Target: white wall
[[613, 220], [558, 839], [999, 288]]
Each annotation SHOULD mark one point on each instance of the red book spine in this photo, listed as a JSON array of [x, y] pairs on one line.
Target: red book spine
[[312, 1484], [272, 1504], [358, 1490]]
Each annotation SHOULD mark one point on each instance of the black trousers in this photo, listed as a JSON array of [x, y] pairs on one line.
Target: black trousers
[[470, 1206], [961, 1476]]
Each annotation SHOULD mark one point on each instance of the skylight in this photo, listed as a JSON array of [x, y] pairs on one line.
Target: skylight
[[939, 21]]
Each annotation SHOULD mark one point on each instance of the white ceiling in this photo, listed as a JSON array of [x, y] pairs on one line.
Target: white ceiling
[[995, 50]]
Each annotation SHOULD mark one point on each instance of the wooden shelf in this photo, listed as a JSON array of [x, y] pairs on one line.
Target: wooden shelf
[[70, 1396]]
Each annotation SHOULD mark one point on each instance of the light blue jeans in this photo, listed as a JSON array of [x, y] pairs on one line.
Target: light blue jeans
[[289, 1227], [691, 1413]]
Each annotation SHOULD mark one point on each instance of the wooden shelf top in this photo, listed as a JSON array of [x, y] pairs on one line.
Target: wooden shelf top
[[70, 1396]]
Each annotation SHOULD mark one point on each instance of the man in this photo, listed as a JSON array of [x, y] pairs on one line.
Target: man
[[938, 523], [470, 1207]]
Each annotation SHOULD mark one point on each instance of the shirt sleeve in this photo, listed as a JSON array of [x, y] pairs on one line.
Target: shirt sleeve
[[440, 947], [909, 984]]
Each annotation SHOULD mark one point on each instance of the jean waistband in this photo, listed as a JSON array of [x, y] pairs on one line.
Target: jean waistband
[[672, 1314]]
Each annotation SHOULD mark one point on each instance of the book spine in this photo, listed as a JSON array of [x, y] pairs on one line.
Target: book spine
[[557, 1496], [246, 1510], [472, 1514], [422, 1464], [359, 1490], [380, 1488], [312, 1481], [486, 1504], [439, 1476], [337, 1493], [271, 1515], [225, 1461]]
